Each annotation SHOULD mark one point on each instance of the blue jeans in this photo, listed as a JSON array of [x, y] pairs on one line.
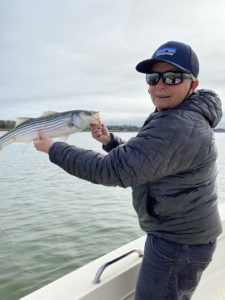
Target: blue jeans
[[171, 271]]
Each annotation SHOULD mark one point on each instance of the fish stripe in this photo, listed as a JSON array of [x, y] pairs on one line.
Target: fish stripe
[[44, 127], [53, 125], [38, 126]]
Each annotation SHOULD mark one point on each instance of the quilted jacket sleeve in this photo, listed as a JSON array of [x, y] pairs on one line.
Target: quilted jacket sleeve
[[114, 142], [159, 150]]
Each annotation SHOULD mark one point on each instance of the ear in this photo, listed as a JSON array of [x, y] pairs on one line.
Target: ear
[[194, 85]]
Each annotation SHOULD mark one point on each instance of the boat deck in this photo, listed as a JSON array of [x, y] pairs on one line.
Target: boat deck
[[117, 281]]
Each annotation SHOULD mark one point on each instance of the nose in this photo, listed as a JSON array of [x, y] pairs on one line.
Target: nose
[[160, 83]]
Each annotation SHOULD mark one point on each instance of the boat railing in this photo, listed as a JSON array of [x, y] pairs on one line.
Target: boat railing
[[106, 264]]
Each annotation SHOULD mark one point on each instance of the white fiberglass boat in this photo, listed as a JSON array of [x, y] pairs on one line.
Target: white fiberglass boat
[[113, 276]]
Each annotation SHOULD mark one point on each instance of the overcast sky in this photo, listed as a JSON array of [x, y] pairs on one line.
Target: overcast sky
[[81, 54]]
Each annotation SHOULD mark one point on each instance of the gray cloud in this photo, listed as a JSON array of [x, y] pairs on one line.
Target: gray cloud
[[59, 55]]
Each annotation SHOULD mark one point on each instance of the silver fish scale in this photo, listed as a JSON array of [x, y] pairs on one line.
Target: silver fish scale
[[53, 125], [34, 125]]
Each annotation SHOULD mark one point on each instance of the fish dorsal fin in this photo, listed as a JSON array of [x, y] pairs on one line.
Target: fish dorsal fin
[[49, 113], [21, 120]]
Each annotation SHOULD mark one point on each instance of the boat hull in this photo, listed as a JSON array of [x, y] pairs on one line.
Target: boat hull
[[117, 282]]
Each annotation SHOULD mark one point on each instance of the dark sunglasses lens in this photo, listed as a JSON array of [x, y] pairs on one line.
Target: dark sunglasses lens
[[171, 78], [152, 78]]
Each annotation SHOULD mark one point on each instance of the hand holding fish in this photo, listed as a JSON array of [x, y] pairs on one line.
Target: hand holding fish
[[100, 133], [43, 142]]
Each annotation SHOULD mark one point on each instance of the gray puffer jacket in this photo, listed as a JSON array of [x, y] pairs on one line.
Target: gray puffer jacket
[[170, 165]]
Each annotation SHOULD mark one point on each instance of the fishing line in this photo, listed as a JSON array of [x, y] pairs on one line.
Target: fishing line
[[12, 241], [13, 249]]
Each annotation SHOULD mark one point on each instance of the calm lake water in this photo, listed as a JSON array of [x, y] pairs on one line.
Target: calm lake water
[[51, 223]]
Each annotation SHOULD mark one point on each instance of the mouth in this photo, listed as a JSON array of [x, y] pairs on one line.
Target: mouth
[[97, 118], [162, 97]]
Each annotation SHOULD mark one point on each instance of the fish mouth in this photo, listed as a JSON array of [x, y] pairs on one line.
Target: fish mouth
[[97, 117]]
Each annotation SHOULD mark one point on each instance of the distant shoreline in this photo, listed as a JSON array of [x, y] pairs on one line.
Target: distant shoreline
[[219, 130], [8, 125], [111, 128]]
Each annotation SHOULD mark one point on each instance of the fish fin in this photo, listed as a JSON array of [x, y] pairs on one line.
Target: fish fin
[[4, 144], [23, 146], [21, 120], [49, 113], [69, 123], [63, 138]]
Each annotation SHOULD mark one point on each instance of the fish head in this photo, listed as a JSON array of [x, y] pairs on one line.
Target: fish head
[[85, 117]]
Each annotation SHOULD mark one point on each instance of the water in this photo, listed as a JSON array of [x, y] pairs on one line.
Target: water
[[51, 223]]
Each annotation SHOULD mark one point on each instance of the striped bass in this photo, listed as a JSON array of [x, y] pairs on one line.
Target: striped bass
[[53, 124]]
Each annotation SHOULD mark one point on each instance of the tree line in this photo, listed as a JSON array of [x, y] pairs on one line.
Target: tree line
[[125, 128], [7, 124]]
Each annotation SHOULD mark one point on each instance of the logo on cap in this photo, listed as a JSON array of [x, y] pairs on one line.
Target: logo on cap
[[166, 51]]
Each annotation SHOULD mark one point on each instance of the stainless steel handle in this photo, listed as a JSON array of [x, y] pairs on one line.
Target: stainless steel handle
[[105, 265]]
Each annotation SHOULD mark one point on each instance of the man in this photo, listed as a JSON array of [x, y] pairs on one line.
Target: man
[[171, 167]]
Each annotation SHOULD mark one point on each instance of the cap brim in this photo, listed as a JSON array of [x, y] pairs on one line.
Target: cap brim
[[145, 66]]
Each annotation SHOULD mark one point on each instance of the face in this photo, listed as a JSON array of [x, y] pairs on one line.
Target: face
[[169, 96]]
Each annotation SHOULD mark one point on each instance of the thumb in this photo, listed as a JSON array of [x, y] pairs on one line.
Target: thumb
[[41, 135], [104, 129]]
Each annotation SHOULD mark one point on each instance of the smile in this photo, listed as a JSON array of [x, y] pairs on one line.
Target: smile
[[162, 97]]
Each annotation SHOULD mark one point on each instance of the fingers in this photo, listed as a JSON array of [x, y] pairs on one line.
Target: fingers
[[42, 142], [105, 130], [41, 135], [100, 133], [96, 130]]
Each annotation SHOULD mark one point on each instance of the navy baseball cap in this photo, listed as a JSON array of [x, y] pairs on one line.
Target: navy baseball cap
[[177, 54]]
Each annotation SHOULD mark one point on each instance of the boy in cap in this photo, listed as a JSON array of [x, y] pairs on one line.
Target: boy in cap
[[171, 167]]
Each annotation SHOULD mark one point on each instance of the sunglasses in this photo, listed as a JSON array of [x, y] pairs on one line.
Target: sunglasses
[[169, 78]]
